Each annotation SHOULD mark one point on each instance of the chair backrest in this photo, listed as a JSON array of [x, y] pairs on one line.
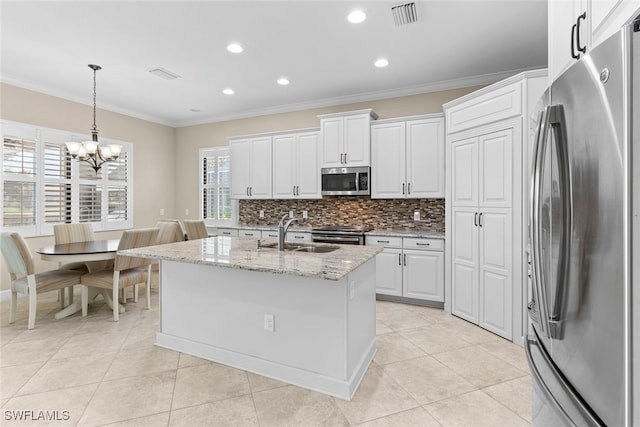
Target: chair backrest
[[169, 232], [17, 254], [180, 225], [72, 233], [136, 238], [195, 229]]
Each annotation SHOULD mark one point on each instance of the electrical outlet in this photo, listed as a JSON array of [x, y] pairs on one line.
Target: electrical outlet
[[290, 214], [161, 212], [186, 212], [305, 215], [416, 216], [269, 322], [261, 213]]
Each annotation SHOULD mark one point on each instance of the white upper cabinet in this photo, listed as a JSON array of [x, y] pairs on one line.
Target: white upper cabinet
[[576, 26], [296, 171], [345, 138], [251, 168], [407, 158]]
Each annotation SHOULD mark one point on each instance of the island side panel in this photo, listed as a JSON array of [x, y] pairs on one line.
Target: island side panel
[[225, 308], [361, 314]]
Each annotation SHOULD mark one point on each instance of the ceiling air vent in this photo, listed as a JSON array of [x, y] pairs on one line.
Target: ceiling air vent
[[163, 74], [405, 13]]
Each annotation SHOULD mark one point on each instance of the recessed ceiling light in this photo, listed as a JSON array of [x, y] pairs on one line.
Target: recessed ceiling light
[[380, 63], [356, 17], [234, 48], [283, 81], [228, 91]]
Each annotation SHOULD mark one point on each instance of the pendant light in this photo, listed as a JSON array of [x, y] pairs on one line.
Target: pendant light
[[91, 151]]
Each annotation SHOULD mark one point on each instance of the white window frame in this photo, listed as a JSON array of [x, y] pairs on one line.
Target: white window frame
[[44, 136], [211, 152]]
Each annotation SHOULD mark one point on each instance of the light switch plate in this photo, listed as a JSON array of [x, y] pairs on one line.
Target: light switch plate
[[305, 215], [290, 214], [416, 216], [261, 213]]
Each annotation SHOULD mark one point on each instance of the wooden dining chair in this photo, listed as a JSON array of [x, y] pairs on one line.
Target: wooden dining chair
[[25, 281], [196, 229], [127, 271]]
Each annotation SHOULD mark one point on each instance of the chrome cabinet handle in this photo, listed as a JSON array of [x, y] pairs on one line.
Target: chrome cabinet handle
[[345, 158], [475, 219], [423, 244], [399, 259], [402, 188], [405, 260], [298, 237], [247, 191], [480, 219], [573, 41], [383, 241]]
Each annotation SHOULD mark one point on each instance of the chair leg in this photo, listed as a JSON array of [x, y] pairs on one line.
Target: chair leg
[[135, 292], [84, 292], [31, 281], [116, 289], [148, 287], [70, 288], [13, 307]]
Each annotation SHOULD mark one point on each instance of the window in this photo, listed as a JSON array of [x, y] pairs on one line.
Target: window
[[43, 186], [216, 206]]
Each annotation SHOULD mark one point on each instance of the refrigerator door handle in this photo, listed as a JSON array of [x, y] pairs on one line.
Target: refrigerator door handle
[[537, 306], [559, 127]]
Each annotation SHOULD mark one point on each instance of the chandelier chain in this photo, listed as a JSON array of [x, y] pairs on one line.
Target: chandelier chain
[[94, 99]]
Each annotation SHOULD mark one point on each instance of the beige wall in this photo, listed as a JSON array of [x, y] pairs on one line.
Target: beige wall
[[190, 139], [154, 184], [166, 159]]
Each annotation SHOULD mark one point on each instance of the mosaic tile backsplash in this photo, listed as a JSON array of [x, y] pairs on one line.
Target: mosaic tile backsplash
[[349, 210]]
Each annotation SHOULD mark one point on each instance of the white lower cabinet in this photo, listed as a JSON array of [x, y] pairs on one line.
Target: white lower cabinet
[[410, 267], [256, 234]]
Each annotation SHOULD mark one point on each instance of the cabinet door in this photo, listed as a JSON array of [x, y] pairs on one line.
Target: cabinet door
[[496, 272], [495, 168], [388, 161], [562, 15], [389, 272], [425, 158], [424, 274], [240, 168], [308, 166], [464, 263], [464, 173], [261, 168], [331, 134], [284, 166], [357, 140]]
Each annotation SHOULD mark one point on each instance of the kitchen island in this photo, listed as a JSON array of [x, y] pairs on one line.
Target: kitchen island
[[302, 316]]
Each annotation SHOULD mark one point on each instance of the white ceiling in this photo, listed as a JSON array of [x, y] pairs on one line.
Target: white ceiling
[[47, 45]]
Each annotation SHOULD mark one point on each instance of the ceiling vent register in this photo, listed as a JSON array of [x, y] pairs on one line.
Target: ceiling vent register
[[163, 74], [404, 14]]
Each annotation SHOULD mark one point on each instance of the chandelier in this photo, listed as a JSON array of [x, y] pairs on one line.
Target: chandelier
[[91, 151]]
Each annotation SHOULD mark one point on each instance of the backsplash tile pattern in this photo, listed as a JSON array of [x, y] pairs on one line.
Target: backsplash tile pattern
[[349, 210]]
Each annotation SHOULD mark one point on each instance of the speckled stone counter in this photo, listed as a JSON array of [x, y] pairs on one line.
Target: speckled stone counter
[[249, 254], [304, 318]]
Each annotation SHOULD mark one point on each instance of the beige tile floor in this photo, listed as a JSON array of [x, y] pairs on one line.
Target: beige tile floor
[[431, 369]]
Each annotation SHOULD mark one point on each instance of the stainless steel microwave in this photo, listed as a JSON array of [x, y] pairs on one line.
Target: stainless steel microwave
[[345, 181]]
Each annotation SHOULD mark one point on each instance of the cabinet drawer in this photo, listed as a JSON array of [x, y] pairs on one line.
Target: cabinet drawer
[[269, 234], [424, 244], [490, 107], [298, 237], [386, 241], [227, 232], [256, 234]]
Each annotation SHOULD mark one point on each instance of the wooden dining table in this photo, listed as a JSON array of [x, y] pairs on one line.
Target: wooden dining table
[[91, 253]]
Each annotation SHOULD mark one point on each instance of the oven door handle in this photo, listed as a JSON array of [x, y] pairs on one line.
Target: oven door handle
[[337, 239]]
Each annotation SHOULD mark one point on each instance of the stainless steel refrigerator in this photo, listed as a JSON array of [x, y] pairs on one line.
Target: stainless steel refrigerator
[[583, 346]]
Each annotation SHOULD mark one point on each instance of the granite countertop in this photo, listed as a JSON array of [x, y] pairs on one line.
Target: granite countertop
[[293, 227], [403, 232], [243, 253]]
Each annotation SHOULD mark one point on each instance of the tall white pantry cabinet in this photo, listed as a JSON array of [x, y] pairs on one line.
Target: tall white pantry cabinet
[[488, 151]]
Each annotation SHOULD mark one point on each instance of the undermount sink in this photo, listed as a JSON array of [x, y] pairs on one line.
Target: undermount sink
[[296, 247]]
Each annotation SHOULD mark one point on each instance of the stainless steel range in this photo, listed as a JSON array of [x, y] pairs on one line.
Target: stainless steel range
[[341, 234]]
